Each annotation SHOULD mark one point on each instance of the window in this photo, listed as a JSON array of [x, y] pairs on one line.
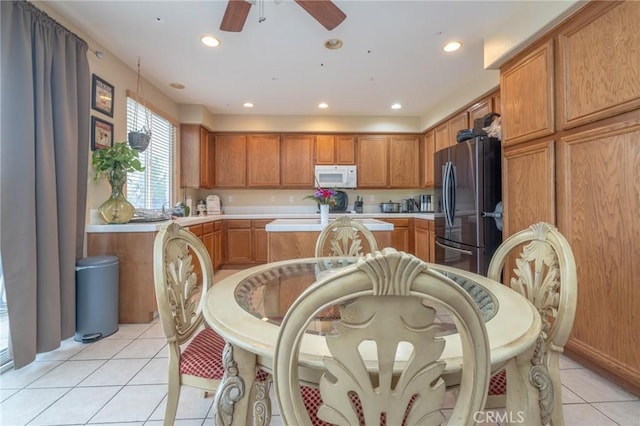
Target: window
[[153, 187]]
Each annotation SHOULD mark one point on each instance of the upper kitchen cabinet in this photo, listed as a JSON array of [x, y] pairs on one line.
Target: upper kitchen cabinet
[[441, 135], [599, 76], [297, 161], [457, 123], [332, 149], [427, 151], [526, 85], [372, 161], [196, 157], [230, 161], [404, 161], [263, 161], [480, 110]]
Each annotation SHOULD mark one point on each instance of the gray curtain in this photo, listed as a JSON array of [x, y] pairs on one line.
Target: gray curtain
[[43, 174]]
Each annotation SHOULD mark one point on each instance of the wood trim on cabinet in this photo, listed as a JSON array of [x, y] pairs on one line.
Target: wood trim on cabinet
[[597, 75], [526, 87]]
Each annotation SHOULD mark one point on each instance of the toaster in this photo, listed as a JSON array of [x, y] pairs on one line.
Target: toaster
[[213, 205]]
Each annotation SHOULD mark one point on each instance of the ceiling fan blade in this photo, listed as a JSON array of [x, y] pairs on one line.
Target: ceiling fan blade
[[324, 11], [235, 15]]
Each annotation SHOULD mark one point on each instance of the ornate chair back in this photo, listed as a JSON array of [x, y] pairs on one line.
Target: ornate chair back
[[545, 273], [385, 365], [344, 237]]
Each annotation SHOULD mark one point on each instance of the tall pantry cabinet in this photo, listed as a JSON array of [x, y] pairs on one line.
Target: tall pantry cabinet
[[571, 146]]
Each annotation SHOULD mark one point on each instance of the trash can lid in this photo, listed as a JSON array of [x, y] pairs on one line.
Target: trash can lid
[[96, 262]]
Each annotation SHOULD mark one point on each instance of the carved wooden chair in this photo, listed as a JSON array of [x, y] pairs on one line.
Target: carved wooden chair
[[381, 309], [545, 273], [344, 237], [180, 294]]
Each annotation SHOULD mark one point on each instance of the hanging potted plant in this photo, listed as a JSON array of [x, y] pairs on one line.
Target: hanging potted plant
[[140, 137], [115, 163]]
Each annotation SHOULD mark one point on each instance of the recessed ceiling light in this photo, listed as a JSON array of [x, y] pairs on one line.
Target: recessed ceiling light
[[210, 41], [333, 43], [178, 86], [396, 106], [323, 105], [248, 104], [452, 46]]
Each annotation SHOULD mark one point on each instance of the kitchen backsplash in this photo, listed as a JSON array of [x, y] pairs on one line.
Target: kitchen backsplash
[[239, 201]]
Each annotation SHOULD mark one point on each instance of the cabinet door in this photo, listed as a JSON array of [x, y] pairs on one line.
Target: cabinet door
[[441, 134], [345, 150], [429, 148], [421, 242], [239, 241], [263, 161], [230, 161], [196, 168], [372, 162], [599, 65], [260, 242], [457, 123], [325, 149], [217, 249], [528, 179], [400, 234], [479, 110], [297, 161], [404, 161], [527, 89]]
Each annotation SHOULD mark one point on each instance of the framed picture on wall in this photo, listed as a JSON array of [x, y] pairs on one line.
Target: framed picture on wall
[[102, 96], [101, 134]]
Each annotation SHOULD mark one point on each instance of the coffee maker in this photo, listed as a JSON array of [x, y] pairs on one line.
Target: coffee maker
[[425, 203]]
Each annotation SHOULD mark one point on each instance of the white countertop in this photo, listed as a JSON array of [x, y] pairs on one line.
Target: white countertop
[[194, 220], [307, 225]]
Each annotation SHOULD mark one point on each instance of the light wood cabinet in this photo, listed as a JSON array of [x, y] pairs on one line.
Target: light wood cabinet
[[260, 243], [528, 173], [527, 88], [480, 110], [331, 149], [263, 161], [404, 161], [441, 136], [598, 202], [230, 161], [428, 149], [239, 248], [422, 236], [217, 245], [372, 161], [196, 157], [400, 234], [598, 72], [457, 123], [297, 161]]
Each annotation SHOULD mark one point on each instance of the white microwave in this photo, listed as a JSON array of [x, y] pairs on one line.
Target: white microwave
[[337, 176]]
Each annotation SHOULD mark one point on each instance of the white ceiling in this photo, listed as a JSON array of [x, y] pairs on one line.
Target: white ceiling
[[392, 52]]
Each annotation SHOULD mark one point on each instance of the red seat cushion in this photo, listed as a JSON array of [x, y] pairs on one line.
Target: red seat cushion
[[203, 356], [498, 383]]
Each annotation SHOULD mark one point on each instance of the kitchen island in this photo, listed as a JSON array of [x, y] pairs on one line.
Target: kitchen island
[[296, 238]]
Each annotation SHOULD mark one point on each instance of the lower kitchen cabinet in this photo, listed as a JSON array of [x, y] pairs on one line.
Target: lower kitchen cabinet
[[400, 235], [424, 239], [217, 245], [246, 241], [260, 243]]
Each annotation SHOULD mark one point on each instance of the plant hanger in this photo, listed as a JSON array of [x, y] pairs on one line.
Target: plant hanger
[[139, 138]]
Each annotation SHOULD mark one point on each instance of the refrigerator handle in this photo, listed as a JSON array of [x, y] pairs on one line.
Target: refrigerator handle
[[446, 199], [468, 252], [454, 186]]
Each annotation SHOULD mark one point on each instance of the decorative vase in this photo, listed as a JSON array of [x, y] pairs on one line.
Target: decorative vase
[[116, 209], [324, 214]]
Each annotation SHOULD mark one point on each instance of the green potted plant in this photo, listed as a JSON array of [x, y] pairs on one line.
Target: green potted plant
[[115, 163]]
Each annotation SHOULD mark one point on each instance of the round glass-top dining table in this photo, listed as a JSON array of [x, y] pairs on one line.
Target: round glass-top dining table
[[247, 307]]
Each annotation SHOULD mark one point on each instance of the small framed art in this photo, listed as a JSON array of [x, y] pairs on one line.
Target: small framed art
[[101, 134], [102, 96]]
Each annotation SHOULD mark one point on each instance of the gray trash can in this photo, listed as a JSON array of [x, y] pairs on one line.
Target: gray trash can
[[96, 297]]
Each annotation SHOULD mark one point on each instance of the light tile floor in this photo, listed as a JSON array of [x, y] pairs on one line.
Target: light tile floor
[[122, 380]]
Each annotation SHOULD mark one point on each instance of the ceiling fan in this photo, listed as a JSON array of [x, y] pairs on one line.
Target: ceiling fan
[[323, 11]]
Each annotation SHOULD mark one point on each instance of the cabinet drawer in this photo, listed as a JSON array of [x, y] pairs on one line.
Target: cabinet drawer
[[261, 223], [196, 230], [238, 223], [207, 228], [397, 223], [422, 223], [217, 225]]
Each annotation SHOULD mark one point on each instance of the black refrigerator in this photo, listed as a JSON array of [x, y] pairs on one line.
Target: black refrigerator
[[468, 219]]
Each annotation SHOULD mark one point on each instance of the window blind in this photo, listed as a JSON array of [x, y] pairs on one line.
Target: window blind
[[153, 187]]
